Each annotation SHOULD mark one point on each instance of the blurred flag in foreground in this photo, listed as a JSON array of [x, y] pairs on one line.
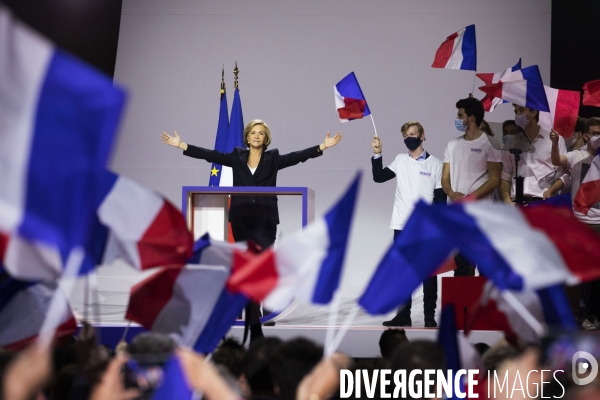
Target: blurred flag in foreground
[[190, 303], [306, 265], [23, 308], [58, 118], [349, 99]]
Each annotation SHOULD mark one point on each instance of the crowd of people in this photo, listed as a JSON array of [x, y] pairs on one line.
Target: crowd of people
[[269, 369], [479, 165]]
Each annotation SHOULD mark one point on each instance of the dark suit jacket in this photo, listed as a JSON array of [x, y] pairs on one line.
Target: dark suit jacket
[[265, 175]]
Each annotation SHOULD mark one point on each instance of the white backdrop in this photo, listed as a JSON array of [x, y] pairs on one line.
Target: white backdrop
[[290, 54]]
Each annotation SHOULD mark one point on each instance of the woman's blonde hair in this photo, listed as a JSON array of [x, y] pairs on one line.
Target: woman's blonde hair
[[251, 125]]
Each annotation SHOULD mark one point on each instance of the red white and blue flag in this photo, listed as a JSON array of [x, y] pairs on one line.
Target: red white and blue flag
[[190, 303], [350, 101], [523, 87], [490, 102], [589, 191], [459, 51], [23, 309], [552, 247], [564, 109], [58, 120], [132, 223], [306, 265]]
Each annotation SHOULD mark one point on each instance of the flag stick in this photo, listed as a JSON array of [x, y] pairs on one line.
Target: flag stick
[[474, 80], [333, 312], [56, 309], [344, 328], [125, 331], [523, 313], [372, 120]]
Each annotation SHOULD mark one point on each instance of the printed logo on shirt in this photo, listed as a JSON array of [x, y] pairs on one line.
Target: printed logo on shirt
[[425, 173], [476, 150]]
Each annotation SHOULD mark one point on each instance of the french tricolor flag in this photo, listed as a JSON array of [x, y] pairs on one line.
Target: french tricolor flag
[[350, 101], [528, 248], [58, 120], [141, 226], [190, 303], [564, 109], [523, 87], [549, 307], [490, 102], [132, 223], [306, 265], [459, 51], [23, 309], [589, 192]]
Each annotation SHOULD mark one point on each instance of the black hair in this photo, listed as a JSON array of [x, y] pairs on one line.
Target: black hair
[[293, 360], [151, 348], [256, 367], [232, 355], [472, 107], [580, 124], [420, 354], [390, 340]]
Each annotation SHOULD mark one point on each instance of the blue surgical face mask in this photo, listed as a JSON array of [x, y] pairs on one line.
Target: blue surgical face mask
[[460, 125], [412, 142], [521, 120], [505, 139]]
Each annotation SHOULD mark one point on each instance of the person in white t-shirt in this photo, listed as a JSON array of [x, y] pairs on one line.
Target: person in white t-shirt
[[418, 177], [471, 163], [535, 165], [578, 162]]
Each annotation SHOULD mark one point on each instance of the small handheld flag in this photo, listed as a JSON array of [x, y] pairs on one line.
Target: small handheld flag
[[459, 51], [523, 87], [490, 102], [349, 99], [564, 108]]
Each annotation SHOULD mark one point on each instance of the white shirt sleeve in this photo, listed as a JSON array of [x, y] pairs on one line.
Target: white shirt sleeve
[[507, 167]]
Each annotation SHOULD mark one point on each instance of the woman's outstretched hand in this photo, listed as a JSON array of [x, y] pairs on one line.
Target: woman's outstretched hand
[[331, 141], [174, 141]]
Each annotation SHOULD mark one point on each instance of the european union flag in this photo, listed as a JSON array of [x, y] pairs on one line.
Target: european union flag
[[221, 140]]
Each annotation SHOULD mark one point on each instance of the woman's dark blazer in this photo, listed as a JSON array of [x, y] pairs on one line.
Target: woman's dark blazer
[[265, 175]]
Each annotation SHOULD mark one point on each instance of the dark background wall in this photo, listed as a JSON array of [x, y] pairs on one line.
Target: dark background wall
[[87, 28], [575, 58]]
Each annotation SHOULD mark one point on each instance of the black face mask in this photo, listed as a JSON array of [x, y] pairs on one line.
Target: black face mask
[[412, 142]]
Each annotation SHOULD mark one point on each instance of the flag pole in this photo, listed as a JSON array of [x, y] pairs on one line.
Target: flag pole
[[372, 120], [56, 308], [329, 335], [329, 350], [523, 313]]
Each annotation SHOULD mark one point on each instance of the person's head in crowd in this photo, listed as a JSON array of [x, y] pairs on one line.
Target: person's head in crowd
[[486, 128], [291, 362], [526, 117], [150, 348], [470, 111], [390, 340], [591, 132], [497, 354], [257, 366], [419, 354], [510, 128], [481, 348], [231, 354], [576, 141], [413, 134]]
